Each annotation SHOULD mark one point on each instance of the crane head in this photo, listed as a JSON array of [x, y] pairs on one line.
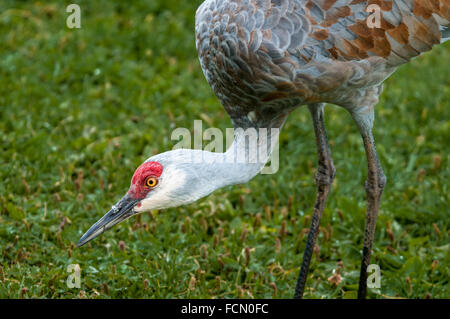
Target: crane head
[[169, 179], [140, 197]]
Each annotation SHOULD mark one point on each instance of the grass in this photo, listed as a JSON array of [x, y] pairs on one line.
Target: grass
[[80, 109]]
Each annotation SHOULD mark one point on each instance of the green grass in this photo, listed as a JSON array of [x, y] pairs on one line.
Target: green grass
[[81, 109]]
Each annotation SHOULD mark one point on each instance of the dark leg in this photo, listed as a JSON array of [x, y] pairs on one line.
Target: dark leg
[[374, 189], [376, 180], [324, 178]]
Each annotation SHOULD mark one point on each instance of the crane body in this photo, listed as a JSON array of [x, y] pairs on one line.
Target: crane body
[[269, 57]]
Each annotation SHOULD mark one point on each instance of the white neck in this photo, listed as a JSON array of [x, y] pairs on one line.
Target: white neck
[[246, 157], [189, 175]]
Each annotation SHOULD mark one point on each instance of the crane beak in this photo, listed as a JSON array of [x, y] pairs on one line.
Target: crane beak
[[119, 212]]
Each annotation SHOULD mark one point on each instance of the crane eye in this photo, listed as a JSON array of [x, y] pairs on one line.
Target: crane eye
[[151, 182]]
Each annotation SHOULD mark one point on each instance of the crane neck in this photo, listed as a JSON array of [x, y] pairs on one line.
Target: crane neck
[[244, 159], [194, 174], [250, 151]]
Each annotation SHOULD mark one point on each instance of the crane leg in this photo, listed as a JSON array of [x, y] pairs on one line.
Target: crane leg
[[374, 186], [324, 178]]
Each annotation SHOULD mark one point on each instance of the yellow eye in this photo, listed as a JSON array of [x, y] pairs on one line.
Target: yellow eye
[[151, 182]]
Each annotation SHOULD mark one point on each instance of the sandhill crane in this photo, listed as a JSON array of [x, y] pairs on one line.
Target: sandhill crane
[[263, 59]]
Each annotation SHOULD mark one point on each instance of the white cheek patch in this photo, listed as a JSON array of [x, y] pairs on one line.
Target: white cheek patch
[[166, 194]]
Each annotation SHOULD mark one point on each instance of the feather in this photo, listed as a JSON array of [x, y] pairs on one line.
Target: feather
[[266, 50]]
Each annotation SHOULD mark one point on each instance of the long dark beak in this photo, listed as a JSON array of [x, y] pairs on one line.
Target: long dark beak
[[121, 211]]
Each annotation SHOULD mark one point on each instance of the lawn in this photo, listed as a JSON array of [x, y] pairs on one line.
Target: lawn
[[80, 109]]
